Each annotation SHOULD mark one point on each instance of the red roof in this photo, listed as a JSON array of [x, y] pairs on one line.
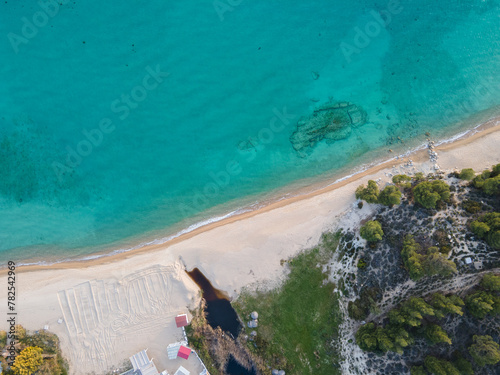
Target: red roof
[[181, 320], [184, 352]]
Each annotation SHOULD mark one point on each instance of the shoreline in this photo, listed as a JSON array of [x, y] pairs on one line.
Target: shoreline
[[118, 305], [418, 154]]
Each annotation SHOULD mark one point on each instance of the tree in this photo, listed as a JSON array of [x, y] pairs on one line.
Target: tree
[[491, 282], [418, 370], [467, 174], [369, 194], [480, 304], [435, 334], [400, 337], [372, 231], [491, 186], [28, 361], [479, 228], [402, 180], [488, 227], [495, 170], [390, 196], [366, 338], [438, 366], [436, 263], [485, 351], [463, 365], [411, 258], [446, 305], [429, 193]]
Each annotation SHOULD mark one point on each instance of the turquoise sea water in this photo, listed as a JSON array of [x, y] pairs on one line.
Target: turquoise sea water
[[122, 123]]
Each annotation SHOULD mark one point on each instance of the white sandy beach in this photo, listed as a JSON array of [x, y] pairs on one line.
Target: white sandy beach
[[114, 307]]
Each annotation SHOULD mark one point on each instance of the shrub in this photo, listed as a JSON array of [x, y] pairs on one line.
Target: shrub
[[372, 231], [467, 174], [438, 366], [428, 193], [488, 227], [471, 206], [491, 186], [418, 370], [463, 365], [491, 282], [481, 304], [402, 180], [28, 361], [390, 196], [485, 351], [369, 194]]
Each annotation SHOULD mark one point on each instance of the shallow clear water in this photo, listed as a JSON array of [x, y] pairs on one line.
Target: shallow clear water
[[194, 106]]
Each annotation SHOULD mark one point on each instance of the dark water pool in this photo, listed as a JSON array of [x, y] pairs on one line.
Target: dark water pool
[[220, 313], [234, 368]]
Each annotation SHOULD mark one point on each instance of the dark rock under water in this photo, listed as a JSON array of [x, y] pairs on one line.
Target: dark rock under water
[[331, 122]]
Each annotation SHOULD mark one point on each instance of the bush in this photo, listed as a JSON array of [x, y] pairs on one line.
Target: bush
[[390, 196], [491, 186], [491, 282], [479, 228], [435, 334], [481, 304], [488, 227], [429, 193], [28, 361], [471, 206], [467, 174], [402, 180], [485, 351], [418, 370], [372, 231], [463, 365], [369, 194]]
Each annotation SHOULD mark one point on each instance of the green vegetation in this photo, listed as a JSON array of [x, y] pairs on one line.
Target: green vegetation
[[298, 320], [28, 361], [485, 351], [491, 282], [463, 365], [418, 370], [446, 305], [483, 303], [429, 193], [438, 366], [435, 334], [488, 227], [429, 264], [390, 196], [489, 181], [402, 180], [369, 194], [467, 174], [197, 333], [42, 353], [397, 334], [372, 231], [364, 305], [471, 206]]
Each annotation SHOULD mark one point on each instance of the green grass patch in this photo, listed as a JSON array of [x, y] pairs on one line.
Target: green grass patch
[[299, 320]]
